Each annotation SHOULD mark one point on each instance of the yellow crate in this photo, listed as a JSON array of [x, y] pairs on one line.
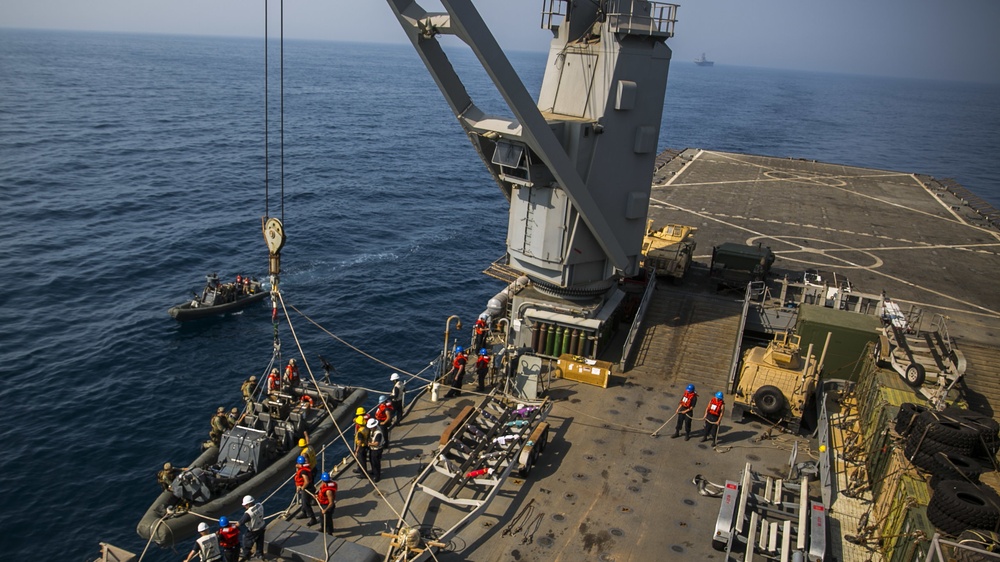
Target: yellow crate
[[589, 371]]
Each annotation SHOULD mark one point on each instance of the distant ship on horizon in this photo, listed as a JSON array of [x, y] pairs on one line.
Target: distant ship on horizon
[[702, 61]]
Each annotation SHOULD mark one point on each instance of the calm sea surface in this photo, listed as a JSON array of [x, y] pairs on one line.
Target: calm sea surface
[[131, 166]]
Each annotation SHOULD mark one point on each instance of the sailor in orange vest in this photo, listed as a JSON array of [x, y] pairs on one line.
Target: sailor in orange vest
[[684, 410], [304, 488], [458, 371], [273, 381], [479, 331], [327, 498], [713, 418], [229, 539], [291, 374], [482, 367]]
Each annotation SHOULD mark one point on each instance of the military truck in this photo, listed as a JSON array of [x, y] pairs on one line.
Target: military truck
[[776, 382], [734, 265], [669, 250]]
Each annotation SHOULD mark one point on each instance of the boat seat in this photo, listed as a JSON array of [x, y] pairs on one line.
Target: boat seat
[[250, 420], [296, 422], [264, 422]]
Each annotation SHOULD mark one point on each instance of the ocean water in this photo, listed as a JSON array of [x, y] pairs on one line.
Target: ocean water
[[131, 166]]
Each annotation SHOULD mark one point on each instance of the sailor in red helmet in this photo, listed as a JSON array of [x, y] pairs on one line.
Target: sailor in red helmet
[[327, 498], [684, 409], [713, 418], [458, 371]]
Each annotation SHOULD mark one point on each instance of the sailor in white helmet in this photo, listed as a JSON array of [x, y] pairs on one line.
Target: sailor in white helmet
[[206, 546], [253, 528], [396, 397]]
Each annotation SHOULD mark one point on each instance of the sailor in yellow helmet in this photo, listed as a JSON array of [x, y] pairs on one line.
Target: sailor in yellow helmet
[[307, 450]]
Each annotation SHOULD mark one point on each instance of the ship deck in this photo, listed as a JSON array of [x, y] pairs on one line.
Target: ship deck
[[605, 489]]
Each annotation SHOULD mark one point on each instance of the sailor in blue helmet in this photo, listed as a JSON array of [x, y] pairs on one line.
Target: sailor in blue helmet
[[229, 539], [713, 417], [457, 371], [304, 489], [327, 498], [684, 409], [482, 367]]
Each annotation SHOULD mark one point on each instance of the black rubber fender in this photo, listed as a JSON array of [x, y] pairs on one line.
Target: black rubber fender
[[770, 401]]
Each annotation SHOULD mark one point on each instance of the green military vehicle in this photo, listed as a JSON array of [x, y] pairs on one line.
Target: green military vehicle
[[735, 265]]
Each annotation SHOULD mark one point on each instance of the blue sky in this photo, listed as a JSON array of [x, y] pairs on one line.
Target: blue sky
[[934, 39]]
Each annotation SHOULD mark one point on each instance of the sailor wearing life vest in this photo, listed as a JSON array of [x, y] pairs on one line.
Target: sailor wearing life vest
[[384, 415], [207, 545], [273, 381], [480, 330], [291, 374], [713, 418], [458, 371], [376, 442], [684, 410], [396, 396], [482, 367], [229, 539], [304, 488], [327, 498], [253, 528]]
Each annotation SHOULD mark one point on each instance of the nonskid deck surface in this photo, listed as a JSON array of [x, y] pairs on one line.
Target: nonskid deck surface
[[892, 231]]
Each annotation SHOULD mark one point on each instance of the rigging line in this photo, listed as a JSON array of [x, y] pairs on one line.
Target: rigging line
[[341, 433], [266, 196], [282, 112]]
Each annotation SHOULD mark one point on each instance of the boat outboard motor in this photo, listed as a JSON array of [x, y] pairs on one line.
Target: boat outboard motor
[[192, 485]]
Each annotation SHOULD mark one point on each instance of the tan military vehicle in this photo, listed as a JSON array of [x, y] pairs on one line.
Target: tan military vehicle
[[669, 250], [776, 382]]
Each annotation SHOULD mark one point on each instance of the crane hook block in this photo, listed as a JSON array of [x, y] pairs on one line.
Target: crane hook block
[[274, 236]]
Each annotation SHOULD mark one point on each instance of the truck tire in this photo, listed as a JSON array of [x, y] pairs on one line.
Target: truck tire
[[904, 419], [975, 506], [943, 522], [918, 443], [770, 401], [914, 375], [951, 466], [976, 538]]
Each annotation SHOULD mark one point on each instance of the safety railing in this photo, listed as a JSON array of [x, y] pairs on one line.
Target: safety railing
[[633, 332], [634, 17]]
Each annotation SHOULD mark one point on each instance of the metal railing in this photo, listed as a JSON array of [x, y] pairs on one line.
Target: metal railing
[[637, 322], [635, 17]]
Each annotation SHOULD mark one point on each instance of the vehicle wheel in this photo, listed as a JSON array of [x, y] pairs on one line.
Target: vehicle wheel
[[967, 503], [924, 461], [944, 523], [985, 540], [770, 401], [915, 375], [917, 443], [951, 466], [954, 433]]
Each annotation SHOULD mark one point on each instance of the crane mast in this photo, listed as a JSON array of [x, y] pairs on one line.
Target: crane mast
[[576, 165]]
